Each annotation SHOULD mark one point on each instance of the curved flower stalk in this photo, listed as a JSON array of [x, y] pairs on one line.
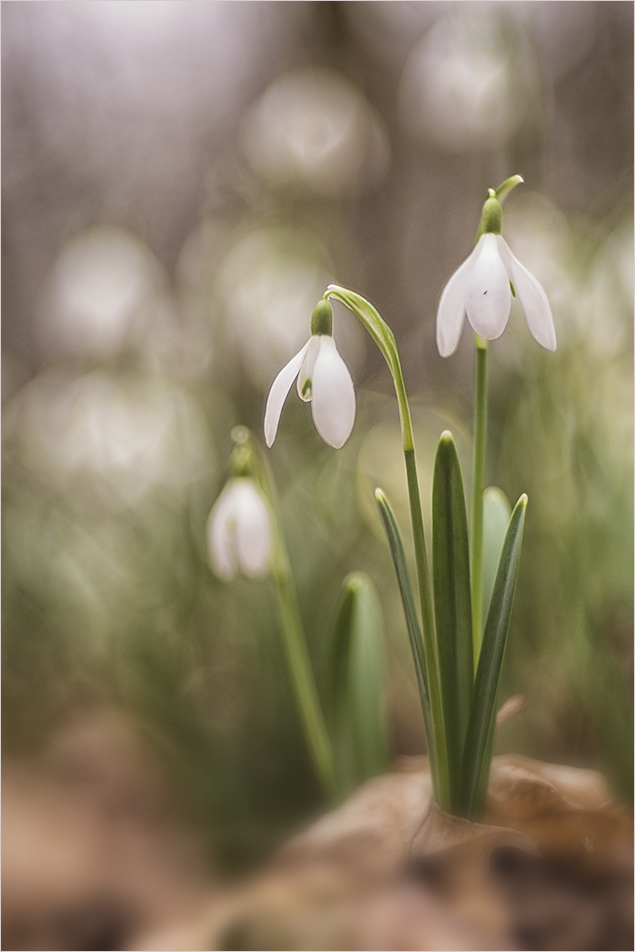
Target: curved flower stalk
[[482, 288], [240, 532], [341, 417], [323, 379], [430, 684]]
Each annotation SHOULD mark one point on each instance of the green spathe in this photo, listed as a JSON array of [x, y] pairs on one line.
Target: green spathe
[[491, 216], [322, 319]]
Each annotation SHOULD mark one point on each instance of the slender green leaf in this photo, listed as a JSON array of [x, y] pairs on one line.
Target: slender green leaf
[[412, 622], [486, 763], [452, 600], [496, 515], [357, 710], [483, 710], [338, 707]]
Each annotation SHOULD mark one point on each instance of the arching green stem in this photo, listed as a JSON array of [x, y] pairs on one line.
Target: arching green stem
[[385, 340]]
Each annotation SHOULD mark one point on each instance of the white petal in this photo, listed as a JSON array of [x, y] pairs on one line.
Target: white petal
[[532, 297], [253, 528], [452, 308], [220, 553], [333, 403], [306, 370], [488, 298], [278, 394]]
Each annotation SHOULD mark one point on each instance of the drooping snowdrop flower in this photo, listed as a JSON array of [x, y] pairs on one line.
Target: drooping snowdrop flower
[[240, 533], [322, 378], [482, 289]]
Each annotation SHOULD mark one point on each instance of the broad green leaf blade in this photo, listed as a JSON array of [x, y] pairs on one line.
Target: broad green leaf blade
[[412, 622], [483, 710], [452, 600], [338, 708], [357, 704], [496, 514], [367, 669]]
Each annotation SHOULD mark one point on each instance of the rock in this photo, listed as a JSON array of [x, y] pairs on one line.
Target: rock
[[389, 870]]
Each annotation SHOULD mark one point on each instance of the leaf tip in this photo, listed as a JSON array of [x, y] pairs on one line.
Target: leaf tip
[[446, 441], [447, 447], [354, 581]]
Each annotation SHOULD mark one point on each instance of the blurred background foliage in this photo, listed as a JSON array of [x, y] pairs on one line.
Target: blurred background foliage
[[181, 180]]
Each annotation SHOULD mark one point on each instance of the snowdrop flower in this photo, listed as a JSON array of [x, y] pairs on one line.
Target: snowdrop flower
[[482, 289], [240, 533], [322, 378]]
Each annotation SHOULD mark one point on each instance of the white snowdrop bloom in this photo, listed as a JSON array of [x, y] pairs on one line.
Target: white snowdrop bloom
[[481, 289], [240, 534], [325, 381]]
